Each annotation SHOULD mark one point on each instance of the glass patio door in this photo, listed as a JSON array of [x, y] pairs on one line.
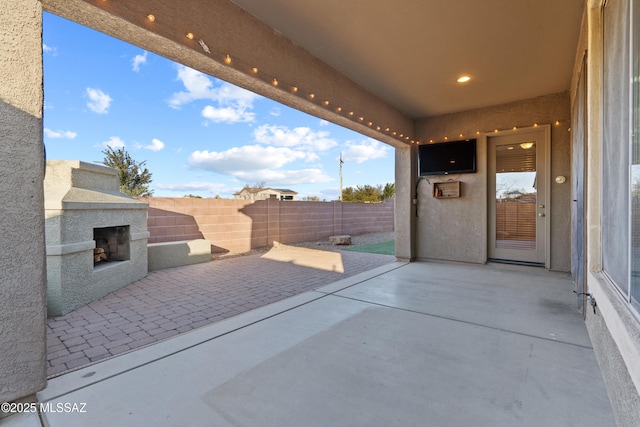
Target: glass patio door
[[517, 206]]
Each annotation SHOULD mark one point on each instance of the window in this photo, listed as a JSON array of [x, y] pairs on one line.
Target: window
[[621, 148], [634, 291], [615, 154]]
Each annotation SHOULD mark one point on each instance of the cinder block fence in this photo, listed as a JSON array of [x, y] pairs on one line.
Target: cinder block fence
[[242, 225]]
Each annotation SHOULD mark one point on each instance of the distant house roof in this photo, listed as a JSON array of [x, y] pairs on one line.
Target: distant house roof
[[258, 190]]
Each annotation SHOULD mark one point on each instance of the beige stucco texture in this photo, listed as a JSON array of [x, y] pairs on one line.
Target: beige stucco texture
[[456, 229], [22, 263]]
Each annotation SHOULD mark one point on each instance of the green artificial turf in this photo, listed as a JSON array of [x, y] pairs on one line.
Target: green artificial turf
[[382, 248]]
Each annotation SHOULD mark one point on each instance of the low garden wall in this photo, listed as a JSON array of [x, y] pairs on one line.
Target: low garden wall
[[242, 225]]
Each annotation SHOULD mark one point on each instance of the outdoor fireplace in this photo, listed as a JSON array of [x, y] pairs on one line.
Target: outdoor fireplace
[[96, 236]]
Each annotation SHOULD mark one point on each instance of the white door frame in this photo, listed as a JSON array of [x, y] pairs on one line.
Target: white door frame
[[546, 185]]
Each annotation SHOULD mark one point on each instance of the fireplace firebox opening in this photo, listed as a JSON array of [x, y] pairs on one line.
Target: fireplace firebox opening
[[112, 244]]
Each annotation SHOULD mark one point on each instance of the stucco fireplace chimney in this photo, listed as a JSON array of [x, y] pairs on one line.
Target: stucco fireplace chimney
[[85, 211]]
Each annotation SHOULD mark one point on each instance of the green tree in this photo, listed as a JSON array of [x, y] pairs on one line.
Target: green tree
[[368, 193], [361, 193], [388, 191], [134, 177]]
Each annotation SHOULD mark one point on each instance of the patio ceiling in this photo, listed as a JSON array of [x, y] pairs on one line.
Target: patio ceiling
[[410, 52], [373, 66]]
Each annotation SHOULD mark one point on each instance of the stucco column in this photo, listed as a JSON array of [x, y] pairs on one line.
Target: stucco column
[[22, 259], [405, 217]]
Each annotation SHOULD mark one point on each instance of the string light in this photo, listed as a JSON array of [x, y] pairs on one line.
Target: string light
[[514, 128], [229, 61]]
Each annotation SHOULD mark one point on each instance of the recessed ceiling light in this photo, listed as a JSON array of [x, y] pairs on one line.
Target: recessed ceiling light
[[463, 79]]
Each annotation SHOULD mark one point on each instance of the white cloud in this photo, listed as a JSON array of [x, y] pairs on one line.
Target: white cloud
[[50, 50], [99, 101], [139, 60], [324, 123], [284, 177], [197, 85], [239, 160], [156, 145], [54, 134], [233, 103], [300, 137], [234, 114], [211, 187], [114, 142], [366, 150], [275, 112]]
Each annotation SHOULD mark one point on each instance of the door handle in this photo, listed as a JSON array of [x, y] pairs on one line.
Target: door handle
[[541, 214]]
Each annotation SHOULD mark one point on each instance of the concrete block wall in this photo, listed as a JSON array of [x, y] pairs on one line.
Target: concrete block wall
[[242, 225], [305, 221], [362, 218]]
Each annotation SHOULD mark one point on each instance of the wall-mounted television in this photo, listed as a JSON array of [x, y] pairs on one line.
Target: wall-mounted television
[[447, 158]]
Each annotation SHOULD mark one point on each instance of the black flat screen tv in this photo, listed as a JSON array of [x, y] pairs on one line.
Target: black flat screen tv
[[447, 158]]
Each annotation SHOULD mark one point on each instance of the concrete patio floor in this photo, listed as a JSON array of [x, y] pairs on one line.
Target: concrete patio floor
[[428, 344]]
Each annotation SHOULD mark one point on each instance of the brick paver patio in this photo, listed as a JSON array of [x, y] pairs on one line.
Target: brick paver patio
[[177, 300]]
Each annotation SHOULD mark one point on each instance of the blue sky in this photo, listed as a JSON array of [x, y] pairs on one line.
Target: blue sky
[[199, 135]]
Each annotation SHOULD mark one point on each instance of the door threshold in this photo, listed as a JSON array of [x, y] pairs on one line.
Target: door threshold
[[515, 262]]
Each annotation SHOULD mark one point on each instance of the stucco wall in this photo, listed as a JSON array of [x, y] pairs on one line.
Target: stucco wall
[[456, 229], [614, 330], [22, 260], [406, 170], [242, 225]]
